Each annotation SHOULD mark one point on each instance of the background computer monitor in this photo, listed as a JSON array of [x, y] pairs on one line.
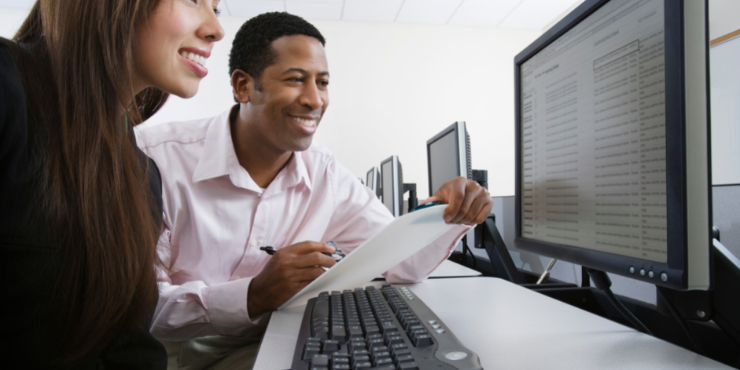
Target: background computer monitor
[[612, 164], [391, 176], [372, 180], [448, 156]]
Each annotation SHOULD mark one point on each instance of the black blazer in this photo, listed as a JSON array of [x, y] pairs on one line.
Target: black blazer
[[29, 263]]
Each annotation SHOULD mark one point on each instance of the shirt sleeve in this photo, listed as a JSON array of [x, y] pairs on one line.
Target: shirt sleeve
[[359, 214], [195, 309]]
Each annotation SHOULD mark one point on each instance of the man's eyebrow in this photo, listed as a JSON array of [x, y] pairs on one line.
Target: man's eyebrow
[[303, 71]]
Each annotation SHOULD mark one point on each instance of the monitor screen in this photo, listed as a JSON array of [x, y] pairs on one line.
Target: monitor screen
[[612, 141], [593, 134], [443, 161], [386, 175]]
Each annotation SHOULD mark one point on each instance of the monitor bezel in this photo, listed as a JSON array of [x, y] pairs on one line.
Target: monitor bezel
[[375, 175], [394, 184], [676, 265], [459, 130]]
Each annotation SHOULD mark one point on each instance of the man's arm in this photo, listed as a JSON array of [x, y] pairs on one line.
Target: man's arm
[[196, 309], [360, 214]]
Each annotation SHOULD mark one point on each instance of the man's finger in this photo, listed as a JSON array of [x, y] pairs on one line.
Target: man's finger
[[313, 259], [468, 201], [430, 199], [307, 247], [456, 194], [475, 208]]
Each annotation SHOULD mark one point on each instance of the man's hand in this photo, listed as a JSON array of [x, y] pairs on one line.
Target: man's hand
[[289, 270], [468, 202]]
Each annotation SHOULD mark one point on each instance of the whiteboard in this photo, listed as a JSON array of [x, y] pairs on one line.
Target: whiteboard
[[725, 102]]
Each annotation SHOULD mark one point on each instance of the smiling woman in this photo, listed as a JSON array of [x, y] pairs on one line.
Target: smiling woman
[[81, 205]]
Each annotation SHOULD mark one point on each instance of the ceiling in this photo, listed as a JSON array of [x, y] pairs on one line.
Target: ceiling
[[529, 14]]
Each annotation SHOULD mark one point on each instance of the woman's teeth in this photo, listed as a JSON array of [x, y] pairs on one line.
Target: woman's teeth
[[194, 57], [306, 122]]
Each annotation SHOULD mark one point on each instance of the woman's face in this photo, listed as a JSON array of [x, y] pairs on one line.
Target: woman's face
[[171, 51]]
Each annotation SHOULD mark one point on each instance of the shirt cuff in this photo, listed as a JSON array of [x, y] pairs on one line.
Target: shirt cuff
[[227, 308]]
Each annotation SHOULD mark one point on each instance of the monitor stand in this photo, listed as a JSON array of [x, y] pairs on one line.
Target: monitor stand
[[721, 303], [488, 237], [413, 201]]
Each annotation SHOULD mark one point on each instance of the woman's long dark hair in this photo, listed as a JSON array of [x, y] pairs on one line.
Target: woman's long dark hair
[[76, 59]]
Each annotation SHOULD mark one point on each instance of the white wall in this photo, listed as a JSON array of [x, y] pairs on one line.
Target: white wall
[[393, 86], [723, 17]]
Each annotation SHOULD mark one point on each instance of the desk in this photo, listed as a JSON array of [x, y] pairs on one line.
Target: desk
[[511, 327], [451, 269]]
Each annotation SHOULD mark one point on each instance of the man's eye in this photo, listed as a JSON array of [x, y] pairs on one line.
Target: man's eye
[[296, 79], [324, 83]]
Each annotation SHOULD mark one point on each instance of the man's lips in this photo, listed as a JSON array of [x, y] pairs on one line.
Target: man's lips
[[306, 123]]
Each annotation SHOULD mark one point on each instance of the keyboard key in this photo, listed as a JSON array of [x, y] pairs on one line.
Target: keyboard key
[[400, 352], [387, 326], [319, 367], [411, 365], [355, 331], [340, 360], [362, 365], [320, 309], [338, 333], [377, 350], [309, 351], [383, 361], [375, 342], [320, 360], [340, 367], [363, 358], [402, 358], [423, 340], [321, 332], [331, 346], [372, 329], [360, 352], [381, 354]]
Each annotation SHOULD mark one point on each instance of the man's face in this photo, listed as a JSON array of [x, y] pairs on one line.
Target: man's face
[[293, 94]]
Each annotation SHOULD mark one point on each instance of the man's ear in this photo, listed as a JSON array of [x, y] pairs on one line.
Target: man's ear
[[242, 85]]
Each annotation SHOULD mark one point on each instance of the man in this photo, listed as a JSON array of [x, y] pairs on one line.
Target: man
[[252, 177]]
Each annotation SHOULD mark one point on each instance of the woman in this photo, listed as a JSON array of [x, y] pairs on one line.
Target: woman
[[80, 205]]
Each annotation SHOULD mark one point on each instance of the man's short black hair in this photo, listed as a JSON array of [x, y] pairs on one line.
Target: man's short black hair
[[251, 51]]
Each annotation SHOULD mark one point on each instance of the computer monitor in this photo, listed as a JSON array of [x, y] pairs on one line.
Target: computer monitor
[[372, 180], [612, 141], [391, 176], [448, 156]]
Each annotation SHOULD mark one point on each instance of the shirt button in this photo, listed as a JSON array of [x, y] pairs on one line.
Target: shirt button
[[254, 243]]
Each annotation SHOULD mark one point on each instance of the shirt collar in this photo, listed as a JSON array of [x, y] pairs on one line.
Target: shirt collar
[[218, 154], [219, 158]]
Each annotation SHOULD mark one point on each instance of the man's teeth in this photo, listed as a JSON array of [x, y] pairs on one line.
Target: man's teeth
[[306, 122], [195, 58]]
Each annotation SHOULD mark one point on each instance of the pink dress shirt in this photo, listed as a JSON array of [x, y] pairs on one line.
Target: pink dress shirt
[[216, 218]]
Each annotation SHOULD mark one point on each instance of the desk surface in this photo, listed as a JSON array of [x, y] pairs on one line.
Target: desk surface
[[511, 327], [452, 269]]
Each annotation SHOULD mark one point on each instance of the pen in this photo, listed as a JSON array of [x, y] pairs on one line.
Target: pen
[[337, 256]]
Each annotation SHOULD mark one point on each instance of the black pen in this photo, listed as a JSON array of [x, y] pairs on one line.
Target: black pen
[[271, 250]]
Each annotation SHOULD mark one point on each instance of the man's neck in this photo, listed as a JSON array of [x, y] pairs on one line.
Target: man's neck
[[262, 161]]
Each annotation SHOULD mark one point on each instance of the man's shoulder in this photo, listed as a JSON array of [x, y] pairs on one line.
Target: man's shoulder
[[177, 132]]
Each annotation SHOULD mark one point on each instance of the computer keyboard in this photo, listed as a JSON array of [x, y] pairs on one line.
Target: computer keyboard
[[387, 328]]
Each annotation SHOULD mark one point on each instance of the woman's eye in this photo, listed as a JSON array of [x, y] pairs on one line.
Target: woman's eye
[[217, 11]]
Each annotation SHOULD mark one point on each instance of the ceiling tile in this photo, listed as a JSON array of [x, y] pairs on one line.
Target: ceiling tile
[[396, 3], [369, 13], [330, 11], [318, 1], [250, 8], [546, 6], [415, 14], [477, 18], [17, 4], [433, 3], [495, 5], [517, 19]]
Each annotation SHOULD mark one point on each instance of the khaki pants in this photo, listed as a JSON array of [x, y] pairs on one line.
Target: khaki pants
[[214, 352]]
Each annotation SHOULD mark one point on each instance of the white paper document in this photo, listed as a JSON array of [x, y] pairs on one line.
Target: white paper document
[[396, 242]]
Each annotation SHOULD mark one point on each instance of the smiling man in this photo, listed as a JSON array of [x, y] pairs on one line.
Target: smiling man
[[253, 177]]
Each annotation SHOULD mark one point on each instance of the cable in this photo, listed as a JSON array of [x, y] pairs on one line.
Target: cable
[[602, 282], [664, 296]]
